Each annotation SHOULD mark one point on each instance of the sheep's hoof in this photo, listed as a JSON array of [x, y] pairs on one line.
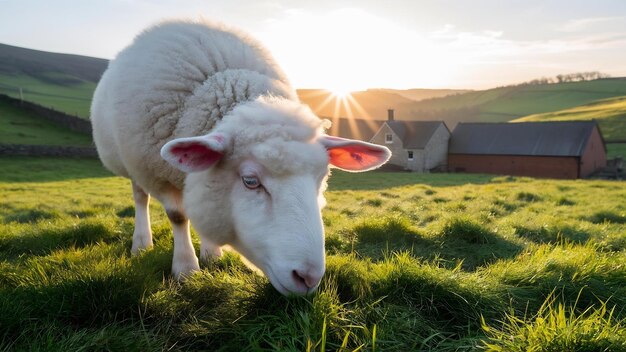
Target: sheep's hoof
[[210, 254], [136, 249], [141, 243], [183, 269]]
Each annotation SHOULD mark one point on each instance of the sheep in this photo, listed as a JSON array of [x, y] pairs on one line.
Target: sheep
[[201, 117]]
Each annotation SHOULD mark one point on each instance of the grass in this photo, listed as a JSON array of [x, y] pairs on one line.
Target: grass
[[615, 149], [71, 98], [442, 262], [508, 103], [610, 114], [21, 127]]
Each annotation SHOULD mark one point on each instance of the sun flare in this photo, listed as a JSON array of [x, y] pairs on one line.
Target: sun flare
[[340, 91]]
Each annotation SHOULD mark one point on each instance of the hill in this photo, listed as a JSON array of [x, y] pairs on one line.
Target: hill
[[492, 105], [610, 114], [66, 83], [508, 103], [18, 126], [60, 81], [418, 94], [370, 104]]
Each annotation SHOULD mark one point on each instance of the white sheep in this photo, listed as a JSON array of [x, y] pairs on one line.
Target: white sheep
[[202, 118]]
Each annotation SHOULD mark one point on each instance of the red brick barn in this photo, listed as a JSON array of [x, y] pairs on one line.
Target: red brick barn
[[560, 149]]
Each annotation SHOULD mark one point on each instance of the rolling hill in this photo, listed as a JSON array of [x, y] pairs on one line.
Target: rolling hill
[[492, 105], [508, 103], [66, 83], [418, 94], [60, 81], [610, 114]]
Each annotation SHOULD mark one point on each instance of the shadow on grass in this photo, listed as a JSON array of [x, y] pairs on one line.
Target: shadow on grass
[[552, 234], [47, 240], [584, 291], [459, 240], [378, 180], [46, 169], [24, 216]]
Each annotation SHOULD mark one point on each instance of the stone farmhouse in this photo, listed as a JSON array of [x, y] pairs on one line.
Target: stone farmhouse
[[419, 146], [560, 149]]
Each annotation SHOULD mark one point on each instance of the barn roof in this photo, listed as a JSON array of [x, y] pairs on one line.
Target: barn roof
[[414, 134], [354, 128], [557, 138]]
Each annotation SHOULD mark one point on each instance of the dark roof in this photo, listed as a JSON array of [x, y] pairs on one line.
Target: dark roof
[[558, 138], [414, 134], [353, 128]]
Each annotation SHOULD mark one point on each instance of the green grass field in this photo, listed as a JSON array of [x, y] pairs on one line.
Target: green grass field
[[71, 98], [18, 126], [616, 149], [610, 114], [443, 262]]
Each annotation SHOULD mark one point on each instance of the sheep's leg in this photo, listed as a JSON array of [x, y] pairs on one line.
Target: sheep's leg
[[209, 250], [142, 236], [185, 260]]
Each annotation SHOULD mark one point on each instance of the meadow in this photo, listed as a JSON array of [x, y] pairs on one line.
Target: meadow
[[610, 114], [507, 103], [18, 126], [72, 97], [443, 262]]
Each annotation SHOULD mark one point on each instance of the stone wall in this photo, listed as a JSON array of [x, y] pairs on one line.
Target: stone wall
[[436, 151], [68, 121], [47, 150]]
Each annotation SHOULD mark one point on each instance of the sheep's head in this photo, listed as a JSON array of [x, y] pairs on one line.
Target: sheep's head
[[256, 182]]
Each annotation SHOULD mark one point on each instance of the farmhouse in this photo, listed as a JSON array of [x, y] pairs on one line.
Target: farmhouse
[[418, 146], [561, 149]]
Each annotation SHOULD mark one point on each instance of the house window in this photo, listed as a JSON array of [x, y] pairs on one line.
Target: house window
[[388, 138], [410, 152]]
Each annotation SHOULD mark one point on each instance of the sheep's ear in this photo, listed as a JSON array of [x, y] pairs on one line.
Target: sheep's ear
[[195, 153], [352, 155]]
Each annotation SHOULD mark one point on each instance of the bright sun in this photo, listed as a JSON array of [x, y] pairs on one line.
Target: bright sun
[[340, 91]]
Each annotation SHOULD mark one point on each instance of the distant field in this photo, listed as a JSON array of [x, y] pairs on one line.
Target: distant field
[[445, 262], [508, 103], [21, 127], [616, 149], [610, 114], [71, 98]]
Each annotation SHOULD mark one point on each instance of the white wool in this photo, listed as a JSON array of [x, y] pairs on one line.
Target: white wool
[[211, 101], [177, 79]]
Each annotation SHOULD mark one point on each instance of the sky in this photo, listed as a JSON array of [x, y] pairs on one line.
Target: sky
[[356, 44]]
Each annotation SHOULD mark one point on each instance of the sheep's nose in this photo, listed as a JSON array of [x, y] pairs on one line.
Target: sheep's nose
[[309, 278]]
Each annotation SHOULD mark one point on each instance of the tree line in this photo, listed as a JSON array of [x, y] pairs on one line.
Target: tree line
[[570, 77]]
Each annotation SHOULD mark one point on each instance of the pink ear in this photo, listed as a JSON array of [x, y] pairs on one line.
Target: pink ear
[[353, 155], [194, 153]]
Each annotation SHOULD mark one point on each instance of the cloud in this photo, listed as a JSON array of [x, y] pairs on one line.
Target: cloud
[[582, 24]]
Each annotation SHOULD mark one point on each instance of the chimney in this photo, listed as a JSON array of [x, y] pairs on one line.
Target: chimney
[[390, 115]]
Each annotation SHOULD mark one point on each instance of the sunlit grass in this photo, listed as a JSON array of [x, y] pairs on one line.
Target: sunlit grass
[[415, 262]]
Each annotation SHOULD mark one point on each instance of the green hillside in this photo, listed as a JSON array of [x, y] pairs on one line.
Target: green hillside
[[20, 127], [73, 99], [508, 103], [610, 114], [63, 82]]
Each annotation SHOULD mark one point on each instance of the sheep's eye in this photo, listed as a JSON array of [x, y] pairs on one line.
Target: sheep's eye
[[251, 182]]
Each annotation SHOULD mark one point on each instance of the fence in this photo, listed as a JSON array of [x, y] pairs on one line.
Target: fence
[[71, 122], [47, 150]]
